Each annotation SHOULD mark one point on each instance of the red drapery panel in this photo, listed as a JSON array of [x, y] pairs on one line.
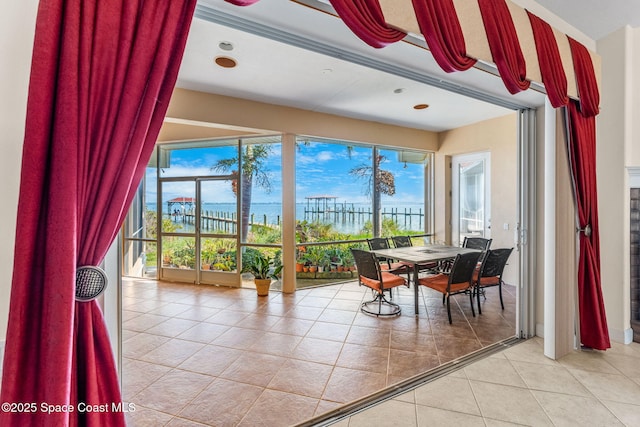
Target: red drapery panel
[[553, 75], [440, 26], [101, 79], [365, 19], [585, 79], [582, 151], [504, 44]]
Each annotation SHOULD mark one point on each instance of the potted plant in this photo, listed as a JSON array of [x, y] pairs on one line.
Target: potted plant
[[263, 268]]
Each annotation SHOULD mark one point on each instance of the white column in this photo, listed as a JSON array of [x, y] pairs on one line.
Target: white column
[[288, 213]]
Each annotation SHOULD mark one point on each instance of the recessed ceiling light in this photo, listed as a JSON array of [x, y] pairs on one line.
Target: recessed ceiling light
[[225, 46], [225, 62], [421, 106]]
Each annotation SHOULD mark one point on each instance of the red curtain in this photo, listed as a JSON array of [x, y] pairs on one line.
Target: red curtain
[[585, 79], [440, 26], [553, 75], [582, 150], [101, 80], [504, 44], [365, 19]]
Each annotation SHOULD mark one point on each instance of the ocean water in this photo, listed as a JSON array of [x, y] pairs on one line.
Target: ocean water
[[346, 218]]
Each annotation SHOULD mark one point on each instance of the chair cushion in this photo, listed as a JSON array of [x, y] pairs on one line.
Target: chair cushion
[[440, 282], [488, 281], [389, 280]]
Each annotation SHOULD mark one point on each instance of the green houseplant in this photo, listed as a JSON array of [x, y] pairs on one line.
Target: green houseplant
[[263, 268]]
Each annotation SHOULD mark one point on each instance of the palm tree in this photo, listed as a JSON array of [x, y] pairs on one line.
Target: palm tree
[[253, 170]]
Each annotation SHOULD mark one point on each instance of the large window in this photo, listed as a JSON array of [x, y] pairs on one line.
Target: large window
[[347, 193], [204, 205]]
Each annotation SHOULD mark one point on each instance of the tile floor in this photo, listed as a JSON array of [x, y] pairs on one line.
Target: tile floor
[[520, 386], [206, 355]]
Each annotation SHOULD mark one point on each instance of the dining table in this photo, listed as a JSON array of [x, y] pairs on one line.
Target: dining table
[[417, 255]]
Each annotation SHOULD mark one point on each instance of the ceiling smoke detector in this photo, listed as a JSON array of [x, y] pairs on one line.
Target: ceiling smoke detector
[[228, 46]]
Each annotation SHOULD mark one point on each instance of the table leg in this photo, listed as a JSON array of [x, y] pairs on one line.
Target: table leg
[[416, 291]]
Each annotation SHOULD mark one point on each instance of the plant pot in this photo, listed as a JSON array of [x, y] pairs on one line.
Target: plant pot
[[299, 267], [313, 268], [305, 269], [262, 286]]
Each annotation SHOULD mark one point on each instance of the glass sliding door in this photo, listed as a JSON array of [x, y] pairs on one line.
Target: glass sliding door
[[217, 233], [177, 223]]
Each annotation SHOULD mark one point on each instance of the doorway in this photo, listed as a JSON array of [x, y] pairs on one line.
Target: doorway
[[197, 242], [470, 196]]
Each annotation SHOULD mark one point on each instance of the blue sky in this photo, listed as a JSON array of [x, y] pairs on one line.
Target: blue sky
[[321, 169]]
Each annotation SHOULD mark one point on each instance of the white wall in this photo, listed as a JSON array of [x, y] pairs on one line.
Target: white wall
[[499, 137], [17, 20], [614, 126]]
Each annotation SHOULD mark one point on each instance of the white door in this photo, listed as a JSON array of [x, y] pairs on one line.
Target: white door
[[470, 196]]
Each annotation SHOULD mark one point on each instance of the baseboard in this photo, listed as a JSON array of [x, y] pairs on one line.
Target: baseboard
[[540, 330], [623, 336]]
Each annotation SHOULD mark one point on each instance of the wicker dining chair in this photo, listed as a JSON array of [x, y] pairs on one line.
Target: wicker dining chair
[[459, 280], [490, 273], [371, 275], [387, 264]]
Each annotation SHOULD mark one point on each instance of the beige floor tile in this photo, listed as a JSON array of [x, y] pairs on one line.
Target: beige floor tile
[[434, 417], [494, 370], [498, 402], [489, 422], [627, 365], [588, 361], [566, 410], [408, 397], [617, 388], [449, 393], [628, 414], [550, 378], [529, 351], [391, 413]]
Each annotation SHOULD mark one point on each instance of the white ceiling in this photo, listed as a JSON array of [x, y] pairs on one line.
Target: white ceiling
[[290, 54], [596, 18], [280, 68]]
